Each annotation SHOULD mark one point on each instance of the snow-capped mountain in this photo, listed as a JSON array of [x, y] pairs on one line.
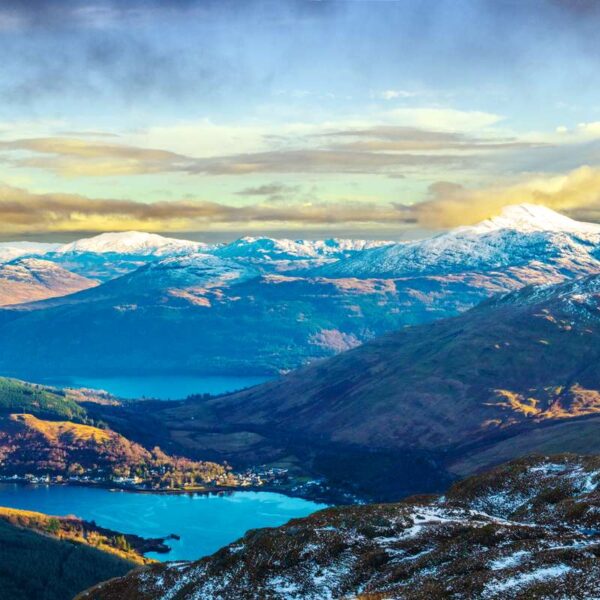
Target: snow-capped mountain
[[110, 255], [521, 234], [132, 243], [286, 302], [11, 250], [265, 248], [31, 279], [179, 275]]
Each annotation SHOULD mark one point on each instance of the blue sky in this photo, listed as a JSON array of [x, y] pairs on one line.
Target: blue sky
[[353, 117]]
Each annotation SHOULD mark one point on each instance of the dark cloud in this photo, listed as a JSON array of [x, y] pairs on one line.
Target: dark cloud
[[197, 51]]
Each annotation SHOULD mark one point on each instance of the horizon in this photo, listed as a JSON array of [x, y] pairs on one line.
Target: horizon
[[226, 237]]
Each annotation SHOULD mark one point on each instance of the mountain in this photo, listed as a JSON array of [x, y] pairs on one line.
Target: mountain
[[11, 250], [513, 375], [30, 279], [284, 254], [179, 314], [525, 530], [109, 255], [136, 243], [521, 235]]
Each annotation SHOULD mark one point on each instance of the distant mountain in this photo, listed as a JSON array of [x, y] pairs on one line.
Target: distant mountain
[[525, 530], [278, 300], [432, 401], [30, 279], [11, 250], [135, 243], [109, 255], [521, 235], [284, 254]]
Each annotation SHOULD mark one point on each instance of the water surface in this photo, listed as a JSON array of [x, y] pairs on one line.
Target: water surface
[[170, 387], [204, 522]]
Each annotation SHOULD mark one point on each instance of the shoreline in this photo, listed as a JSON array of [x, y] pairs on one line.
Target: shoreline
[[323, 498]]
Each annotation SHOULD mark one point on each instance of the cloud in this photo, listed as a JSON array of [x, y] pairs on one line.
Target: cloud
[[79, 157], [273, 192], [387, 150], [576, 193], [449, 119], [393, 94], [22, 211], [397, 138], [449, 204]]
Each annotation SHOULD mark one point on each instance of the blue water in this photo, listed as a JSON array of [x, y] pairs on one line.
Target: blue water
[[169, 387], [204, 522]]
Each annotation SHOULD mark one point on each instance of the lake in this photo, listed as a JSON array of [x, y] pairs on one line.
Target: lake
[[204, 522], [169, 387]]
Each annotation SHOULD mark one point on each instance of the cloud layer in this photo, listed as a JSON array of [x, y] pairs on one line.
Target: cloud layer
[[576, 193]]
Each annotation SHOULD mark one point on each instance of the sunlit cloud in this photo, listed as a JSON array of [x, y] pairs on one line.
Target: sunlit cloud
[[576, 193], [22, 211]]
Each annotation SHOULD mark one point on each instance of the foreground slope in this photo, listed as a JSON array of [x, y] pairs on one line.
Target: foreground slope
[[526, 530]]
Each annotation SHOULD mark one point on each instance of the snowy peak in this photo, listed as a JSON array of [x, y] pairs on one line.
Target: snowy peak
[[182, 272], [533, 217], [11, 250], [522, 234], [286, 249], [133, 243]]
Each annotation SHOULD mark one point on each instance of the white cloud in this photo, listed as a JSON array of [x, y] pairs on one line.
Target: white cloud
[[447, 119]]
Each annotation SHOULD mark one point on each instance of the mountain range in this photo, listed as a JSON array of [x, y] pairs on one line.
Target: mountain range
[[169, 305]]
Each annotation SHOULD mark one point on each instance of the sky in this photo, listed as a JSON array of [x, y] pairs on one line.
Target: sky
[[309, 118]]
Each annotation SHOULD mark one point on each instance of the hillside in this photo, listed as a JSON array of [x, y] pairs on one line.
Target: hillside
[[49, 433], [432, 401], [526, 530], [38, 565], [179, 313], [21, 396], [32, 447], [31, 279], [125, 546]]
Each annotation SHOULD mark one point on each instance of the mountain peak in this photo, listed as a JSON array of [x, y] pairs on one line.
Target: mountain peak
[[534, 217], [129, 242]]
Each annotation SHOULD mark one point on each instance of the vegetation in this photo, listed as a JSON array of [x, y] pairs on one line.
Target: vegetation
[[33, 446], [72, 529], [41, 566], [19, 396]]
